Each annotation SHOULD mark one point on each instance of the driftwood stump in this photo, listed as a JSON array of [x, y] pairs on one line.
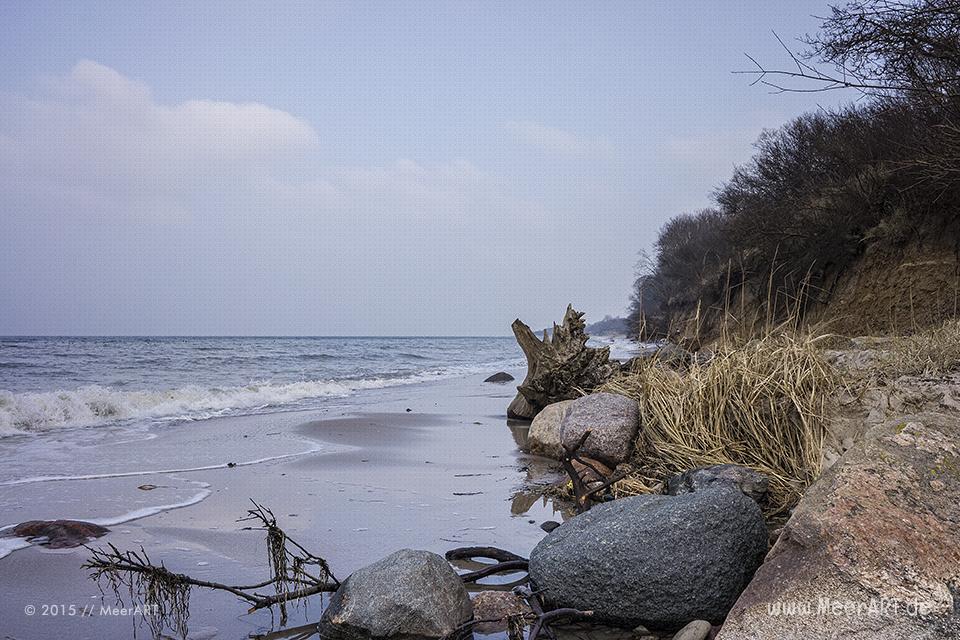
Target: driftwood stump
[[559, 367]]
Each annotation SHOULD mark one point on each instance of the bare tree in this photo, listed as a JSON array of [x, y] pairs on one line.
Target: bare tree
[[879, 47]]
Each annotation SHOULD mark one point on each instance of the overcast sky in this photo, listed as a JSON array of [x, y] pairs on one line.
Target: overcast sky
[[361, 168]]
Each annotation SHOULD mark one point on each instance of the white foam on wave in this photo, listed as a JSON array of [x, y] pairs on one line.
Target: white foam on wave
[[131, 474], [146, 512], [11, 544], [97, 405]]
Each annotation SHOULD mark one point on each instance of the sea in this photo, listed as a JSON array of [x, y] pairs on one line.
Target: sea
[[164, 441], [53, 383]]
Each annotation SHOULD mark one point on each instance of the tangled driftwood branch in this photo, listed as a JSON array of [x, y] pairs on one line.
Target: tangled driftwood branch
[[537, 619], [295, 574]]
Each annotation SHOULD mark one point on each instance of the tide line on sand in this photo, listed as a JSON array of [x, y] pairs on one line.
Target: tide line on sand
[[130, 474]]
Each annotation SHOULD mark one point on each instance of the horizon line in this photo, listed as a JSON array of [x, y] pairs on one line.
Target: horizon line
[[187, 335]]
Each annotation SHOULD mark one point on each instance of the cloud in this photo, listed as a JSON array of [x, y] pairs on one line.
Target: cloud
[[96, 145], [554, 139], [93, 94]]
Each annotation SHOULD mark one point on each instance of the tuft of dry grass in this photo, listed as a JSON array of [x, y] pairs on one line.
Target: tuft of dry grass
[[761, 404], [932, 352]]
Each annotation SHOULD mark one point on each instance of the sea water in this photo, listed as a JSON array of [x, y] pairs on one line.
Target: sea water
[[55, 383], [49, 383]]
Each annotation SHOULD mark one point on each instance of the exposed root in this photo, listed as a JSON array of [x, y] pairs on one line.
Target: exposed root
[[507, 562], [537, 619], [585, 495]]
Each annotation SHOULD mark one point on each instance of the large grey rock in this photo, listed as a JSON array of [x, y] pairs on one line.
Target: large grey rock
[[543, 439], [872, 552], [659, 561], [752, 483], [409, 595], [613, 421]]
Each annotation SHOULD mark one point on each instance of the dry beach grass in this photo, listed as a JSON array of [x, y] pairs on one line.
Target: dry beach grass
[[763, 404], [932, 352], [766, 403]]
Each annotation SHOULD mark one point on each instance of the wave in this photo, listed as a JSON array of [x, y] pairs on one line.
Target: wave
[[17, 365], [413, 356], [95, 405], [316, 356], [621, 347]]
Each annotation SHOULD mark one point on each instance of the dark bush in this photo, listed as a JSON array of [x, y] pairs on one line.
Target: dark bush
[[820, 188]]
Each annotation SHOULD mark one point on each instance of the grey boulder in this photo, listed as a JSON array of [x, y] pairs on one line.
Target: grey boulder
[[613, 421], [659, 561], [409, 595], [543, 438], [501, 377], [752, 483]]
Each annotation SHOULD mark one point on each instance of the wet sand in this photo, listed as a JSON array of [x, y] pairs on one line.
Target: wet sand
[[377, 478]]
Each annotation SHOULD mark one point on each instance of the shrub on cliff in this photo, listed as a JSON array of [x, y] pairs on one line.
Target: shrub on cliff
[[821, 188]]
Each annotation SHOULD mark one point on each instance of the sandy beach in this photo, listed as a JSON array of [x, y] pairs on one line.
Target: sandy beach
[[431, 466]]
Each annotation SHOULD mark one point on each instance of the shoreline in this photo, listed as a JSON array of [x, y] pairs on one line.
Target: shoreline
[[446, 473]]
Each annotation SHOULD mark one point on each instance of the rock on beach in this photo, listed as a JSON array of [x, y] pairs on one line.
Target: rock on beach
[[873, 548], [409, 595], [543, 438], [659, 561], [59, 534], [613, 421]]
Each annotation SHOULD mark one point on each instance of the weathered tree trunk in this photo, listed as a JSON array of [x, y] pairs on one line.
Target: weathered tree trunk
[[559, 367]]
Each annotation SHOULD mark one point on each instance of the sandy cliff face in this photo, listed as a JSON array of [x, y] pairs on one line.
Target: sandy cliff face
[[896, 289], [893, 288]]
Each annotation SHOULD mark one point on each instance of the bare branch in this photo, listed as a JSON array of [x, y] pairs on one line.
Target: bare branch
[[295, 574]]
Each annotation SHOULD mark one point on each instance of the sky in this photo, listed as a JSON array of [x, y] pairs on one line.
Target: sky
[[362, 168]]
